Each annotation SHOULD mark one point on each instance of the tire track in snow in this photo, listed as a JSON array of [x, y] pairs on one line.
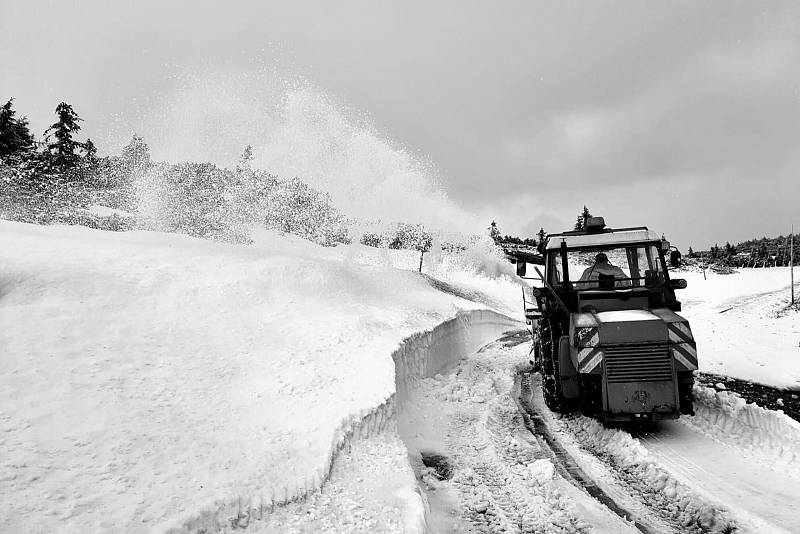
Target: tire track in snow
[[566, 465], [623, 469], [503, 480]]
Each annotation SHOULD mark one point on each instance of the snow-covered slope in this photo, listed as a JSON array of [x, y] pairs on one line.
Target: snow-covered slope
[[739, 331], [145, 376]]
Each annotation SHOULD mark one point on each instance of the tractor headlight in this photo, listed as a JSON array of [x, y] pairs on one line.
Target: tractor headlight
[[587, 336]]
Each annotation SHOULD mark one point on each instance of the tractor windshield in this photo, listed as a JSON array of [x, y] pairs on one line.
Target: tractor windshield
[[609, 268]]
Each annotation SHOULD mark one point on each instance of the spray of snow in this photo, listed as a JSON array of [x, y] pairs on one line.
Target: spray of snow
[[369, 177], [298, 130]]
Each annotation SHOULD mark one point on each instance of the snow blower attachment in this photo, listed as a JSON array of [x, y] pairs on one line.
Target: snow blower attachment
[[607, 338]]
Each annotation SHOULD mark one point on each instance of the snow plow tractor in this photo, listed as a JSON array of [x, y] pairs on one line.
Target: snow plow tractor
[[606, 336]]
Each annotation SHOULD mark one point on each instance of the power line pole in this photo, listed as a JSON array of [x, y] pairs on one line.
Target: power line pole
[[791, 262]]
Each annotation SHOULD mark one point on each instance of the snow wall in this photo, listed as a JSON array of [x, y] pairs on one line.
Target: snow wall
[[427, 354], [421, 355]]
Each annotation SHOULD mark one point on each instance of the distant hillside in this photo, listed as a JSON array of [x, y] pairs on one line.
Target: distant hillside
[[757, 252]]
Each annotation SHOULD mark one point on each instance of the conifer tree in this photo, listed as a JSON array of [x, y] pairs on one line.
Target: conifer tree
[[247, 157], [15, 137], [729, 249], [90, 150], [494, 233], [585, 215], [59, 137]]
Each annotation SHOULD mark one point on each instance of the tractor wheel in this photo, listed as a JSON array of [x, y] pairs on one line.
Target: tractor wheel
[[551, 379]]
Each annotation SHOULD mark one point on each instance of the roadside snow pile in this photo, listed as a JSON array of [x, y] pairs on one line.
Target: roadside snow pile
[[146, 377], [372, 489], [734, 321], [675, 501], [764, 434], [621, 446]]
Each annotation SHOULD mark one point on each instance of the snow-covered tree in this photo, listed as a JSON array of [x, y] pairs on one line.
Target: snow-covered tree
[[59, 137], [410, 236], [585, 215], [15, 137], [583, 218], [541, 235], [90, 150], [295, 207], [371, 239], [246, 160], [136, 153], [494, 233]]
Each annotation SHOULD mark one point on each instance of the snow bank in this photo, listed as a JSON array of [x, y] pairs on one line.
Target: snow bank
[[149, 376], [427, 354], [372, 489], [764, 434], [738, 331]]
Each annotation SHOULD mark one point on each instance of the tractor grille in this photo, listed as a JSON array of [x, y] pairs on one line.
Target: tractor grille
[[637, 363]]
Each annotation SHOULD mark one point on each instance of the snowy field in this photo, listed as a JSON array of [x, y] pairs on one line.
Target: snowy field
[[148, 376], [739, 326]]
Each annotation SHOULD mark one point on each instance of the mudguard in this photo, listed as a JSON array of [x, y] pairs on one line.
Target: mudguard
[[570, 388]]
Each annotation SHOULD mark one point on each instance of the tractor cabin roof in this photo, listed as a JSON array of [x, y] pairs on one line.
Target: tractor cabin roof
[[605, 238]]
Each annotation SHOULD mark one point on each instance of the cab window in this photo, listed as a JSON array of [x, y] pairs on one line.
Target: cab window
[[632, 266]]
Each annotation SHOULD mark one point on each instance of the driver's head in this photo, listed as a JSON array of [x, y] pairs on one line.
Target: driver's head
[[601, 258]]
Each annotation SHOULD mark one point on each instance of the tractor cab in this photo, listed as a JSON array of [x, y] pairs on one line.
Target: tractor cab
[[599, 269]]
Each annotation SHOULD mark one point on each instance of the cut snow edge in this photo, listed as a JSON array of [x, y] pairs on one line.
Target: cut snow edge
[[420, 355]]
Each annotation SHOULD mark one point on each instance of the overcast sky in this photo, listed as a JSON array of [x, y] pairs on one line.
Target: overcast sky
[[684, 116]]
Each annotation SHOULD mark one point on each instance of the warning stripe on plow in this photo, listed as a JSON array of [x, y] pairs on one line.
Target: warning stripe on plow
[[686, 355], [680, 333], [589, 358], [592, 364]]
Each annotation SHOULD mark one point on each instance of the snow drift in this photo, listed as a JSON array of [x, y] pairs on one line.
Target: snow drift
[[762, 434], [149, 376]]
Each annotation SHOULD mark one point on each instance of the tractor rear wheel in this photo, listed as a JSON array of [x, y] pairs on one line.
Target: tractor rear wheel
[[550, 334]]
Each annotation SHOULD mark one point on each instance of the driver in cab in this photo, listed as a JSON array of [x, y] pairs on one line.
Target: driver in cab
[[603, 275]]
